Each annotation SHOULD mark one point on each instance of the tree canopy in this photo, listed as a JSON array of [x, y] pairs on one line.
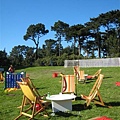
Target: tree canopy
[[99, 37], [34, 32]]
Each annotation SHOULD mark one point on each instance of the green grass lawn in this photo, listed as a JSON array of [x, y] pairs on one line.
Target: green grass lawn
[[42, 79]]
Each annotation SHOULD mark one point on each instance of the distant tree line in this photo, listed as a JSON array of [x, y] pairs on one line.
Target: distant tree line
[[100, 37]]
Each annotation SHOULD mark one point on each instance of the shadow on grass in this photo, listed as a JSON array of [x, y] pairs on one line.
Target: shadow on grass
[[107, 77], [109, 105], [89, 81], [113, 104], [78, 98], [37, 88], [65, 114], [80, 107], [93, 80]]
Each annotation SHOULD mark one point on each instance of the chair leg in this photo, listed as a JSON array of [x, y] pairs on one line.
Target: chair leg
[[18, 117], [100, 101]]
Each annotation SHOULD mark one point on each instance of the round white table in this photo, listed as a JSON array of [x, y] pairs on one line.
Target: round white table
[[61, 102]]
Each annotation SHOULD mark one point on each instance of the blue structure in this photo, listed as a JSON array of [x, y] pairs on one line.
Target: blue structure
[[11, 78]]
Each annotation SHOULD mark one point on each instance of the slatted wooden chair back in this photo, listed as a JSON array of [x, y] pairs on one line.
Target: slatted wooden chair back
[[68, 84], [95, 93], [27, 79], [27, 91], [96, 86]]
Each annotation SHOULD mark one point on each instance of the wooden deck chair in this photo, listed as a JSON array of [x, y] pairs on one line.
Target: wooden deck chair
[[27, 79], [95, 93], [68, 84], [79, 74], [29, 95], [95, 75]]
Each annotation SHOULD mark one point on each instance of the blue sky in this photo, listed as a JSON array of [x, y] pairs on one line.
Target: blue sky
[[17, 15]]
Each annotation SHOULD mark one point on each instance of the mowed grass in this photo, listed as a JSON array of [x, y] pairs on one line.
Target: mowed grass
[[44, 82]]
